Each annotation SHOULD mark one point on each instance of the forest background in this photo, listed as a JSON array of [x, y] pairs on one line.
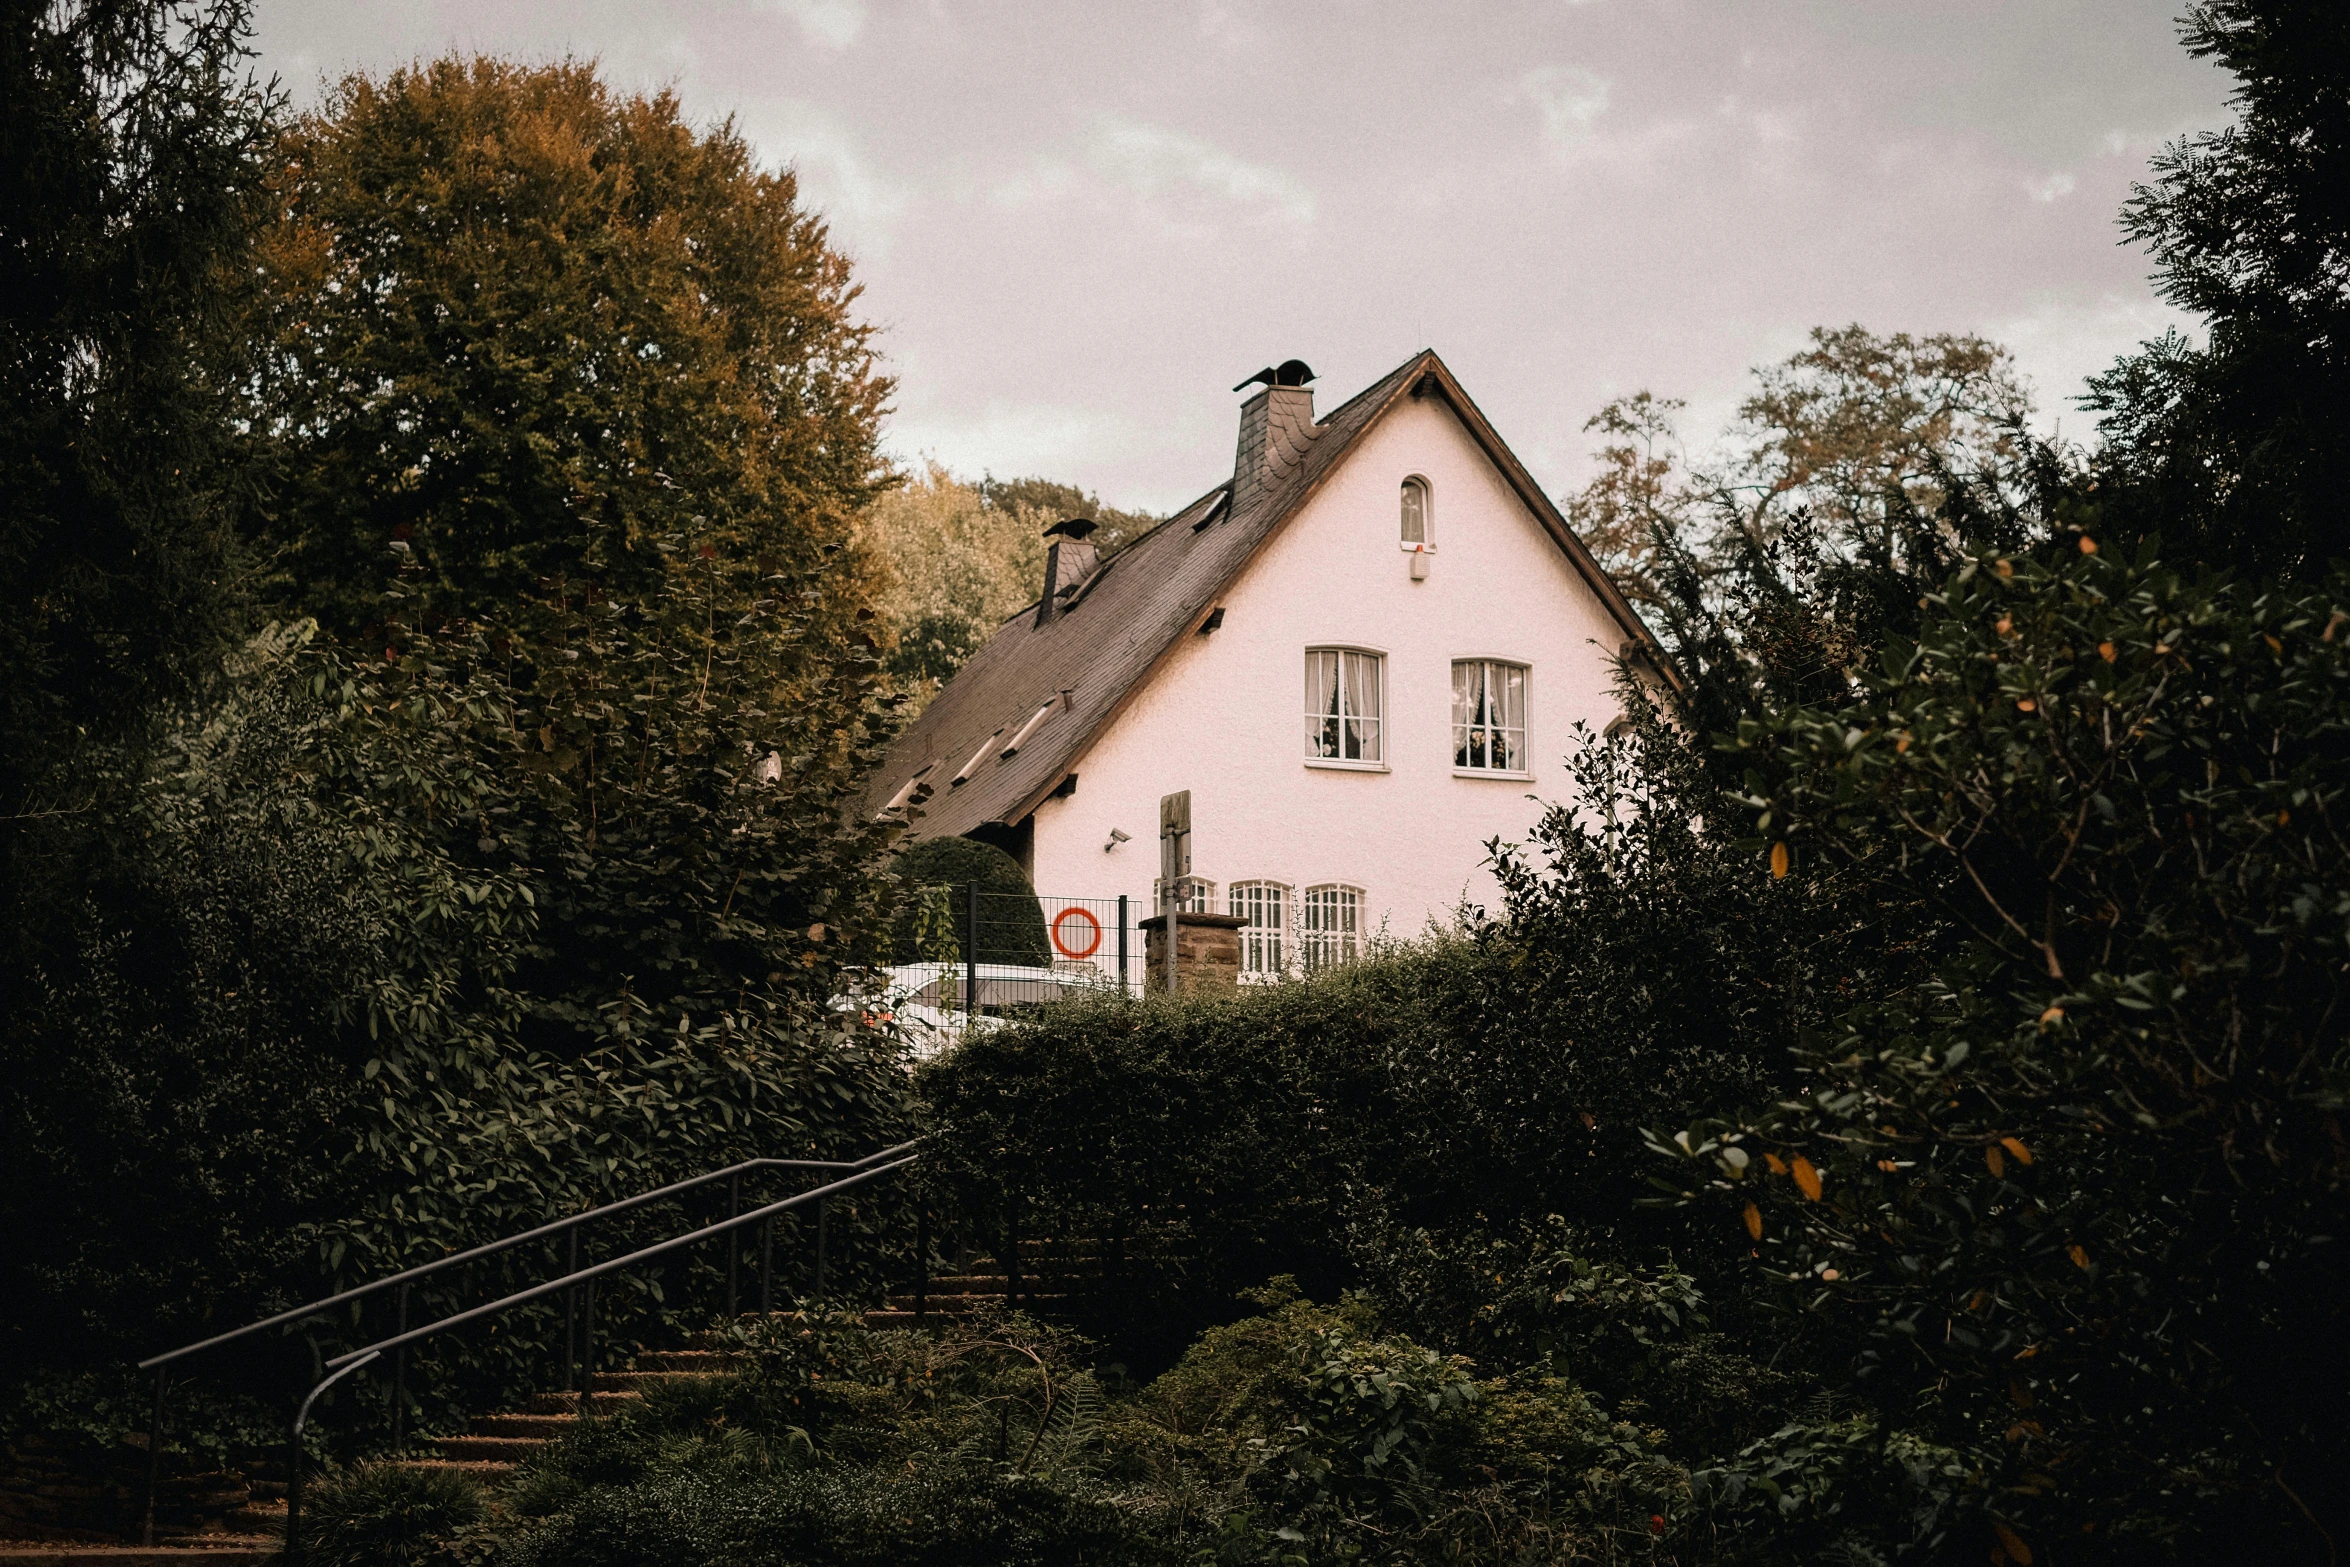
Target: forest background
[[451, 592]]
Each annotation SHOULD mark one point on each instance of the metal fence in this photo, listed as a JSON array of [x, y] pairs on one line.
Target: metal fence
[[989, 955]]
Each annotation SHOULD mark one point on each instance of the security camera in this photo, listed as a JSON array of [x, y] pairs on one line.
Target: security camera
[[1116, 838]]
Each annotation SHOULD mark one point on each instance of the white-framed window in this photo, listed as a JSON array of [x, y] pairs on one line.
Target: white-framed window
[[1264, 940], [1329, 926], [1488, 716], [1346, 706], [1198, 896], [1417, 516]]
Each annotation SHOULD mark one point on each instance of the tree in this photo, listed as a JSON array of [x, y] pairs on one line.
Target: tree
[[525, 333], [2239, 450], [961, 559], [2064, 1202], [129, 163], [572, 398], [1855, 476]]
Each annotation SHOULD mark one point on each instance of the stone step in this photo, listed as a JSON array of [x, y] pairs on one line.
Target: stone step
[[257, 1518], [638, 1381], [488, 1471], [568, 1403], [490, 1449], [698, 1362], [543, 1427], [219, 1550], [1029, 1301]]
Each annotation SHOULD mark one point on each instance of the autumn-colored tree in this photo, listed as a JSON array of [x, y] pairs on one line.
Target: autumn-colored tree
[[960, 558], [525, 333], [571, 397]]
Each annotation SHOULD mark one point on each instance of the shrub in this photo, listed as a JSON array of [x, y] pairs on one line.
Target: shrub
[[385, 1515], [1011, 921]]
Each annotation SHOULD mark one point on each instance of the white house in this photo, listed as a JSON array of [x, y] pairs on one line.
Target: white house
[[1364, 655]]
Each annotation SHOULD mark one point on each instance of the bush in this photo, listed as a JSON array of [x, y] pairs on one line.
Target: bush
[[1011, 921], [386, 1515]]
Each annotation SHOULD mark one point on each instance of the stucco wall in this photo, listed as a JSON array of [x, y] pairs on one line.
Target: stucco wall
[[1225, 718]]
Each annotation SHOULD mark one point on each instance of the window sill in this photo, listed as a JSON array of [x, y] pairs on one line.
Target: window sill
[[1334, 765], [1486, 772]]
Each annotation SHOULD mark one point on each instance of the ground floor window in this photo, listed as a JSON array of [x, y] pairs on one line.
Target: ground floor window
[[1264, 939], [1330, 926], [1198, 896]]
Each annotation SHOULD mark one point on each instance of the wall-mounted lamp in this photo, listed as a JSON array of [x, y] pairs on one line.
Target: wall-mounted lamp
[[1117, 838]]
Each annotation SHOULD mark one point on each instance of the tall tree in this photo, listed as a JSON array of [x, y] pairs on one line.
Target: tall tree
[[569, 397], [525, 329], [2239, 449], [1849, 485], [129, 142]]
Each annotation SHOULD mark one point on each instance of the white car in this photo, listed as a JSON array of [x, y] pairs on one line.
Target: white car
[[926, 1002]]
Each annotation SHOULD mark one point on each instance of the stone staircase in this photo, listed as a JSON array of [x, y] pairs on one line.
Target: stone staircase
[[1052, 1274]]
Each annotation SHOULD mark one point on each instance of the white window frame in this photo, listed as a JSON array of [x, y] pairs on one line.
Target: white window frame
[[1315, 718], [1426, 543], [1265, 949], [1199, 896], [1330, 925], [1524, 731]]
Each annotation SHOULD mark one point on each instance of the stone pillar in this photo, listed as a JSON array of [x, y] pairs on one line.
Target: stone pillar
[[1207, 952]]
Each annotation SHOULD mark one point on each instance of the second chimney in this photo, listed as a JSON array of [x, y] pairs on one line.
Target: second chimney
[[1276, 427], [1068, 561]]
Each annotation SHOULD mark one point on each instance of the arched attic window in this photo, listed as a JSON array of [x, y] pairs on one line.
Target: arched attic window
[[1417, 516]]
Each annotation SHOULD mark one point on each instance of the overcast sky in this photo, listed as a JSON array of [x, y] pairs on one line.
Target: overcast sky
[[1078, 224]]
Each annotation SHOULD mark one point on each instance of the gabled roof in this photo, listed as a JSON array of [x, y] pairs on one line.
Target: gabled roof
[[1090, 659]]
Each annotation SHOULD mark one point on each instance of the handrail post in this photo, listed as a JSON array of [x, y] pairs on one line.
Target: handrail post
[[822, 1219], [571, 1319], [1012, 1265], [734, 1242], [400, 1378], [921, 1261], [154, 1457], [766, 1265], [293, 1551], [587, 1369]]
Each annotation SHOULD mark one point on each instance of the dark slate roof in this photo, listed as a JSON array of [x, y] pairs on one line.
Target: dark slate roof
[[1137, 608]]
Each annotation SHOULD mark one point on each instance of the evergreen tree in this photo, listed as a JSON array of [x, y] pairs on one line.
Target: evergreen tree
[[129, 142], [2240, 450]]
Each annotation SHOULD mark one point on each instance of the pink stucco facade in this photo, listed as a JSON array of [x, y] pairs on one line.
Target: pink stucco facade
[[1224, 716]]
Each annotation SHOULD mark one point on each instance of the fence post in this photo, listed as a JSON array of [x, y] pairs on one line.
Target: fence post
[[1121, 945], [821, 1218], [767, 1264], [971, 960], [921, 1262], [1012, 1264]]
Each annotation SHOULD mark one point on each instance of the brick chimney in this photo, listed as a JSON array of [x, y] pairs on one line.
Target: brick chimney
[[1068, 561], [1276, 427]]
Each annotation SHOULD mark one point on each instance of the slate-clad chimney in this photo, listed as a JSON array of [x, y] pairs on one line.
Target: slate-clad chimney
[[1276, 427], [1069, 560]]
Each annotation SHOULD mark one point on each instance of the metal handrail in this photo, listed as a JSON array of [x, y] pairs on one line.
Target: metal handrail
[[343, 1365], [491, 1248], [615, 1264], [861, 1169]]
